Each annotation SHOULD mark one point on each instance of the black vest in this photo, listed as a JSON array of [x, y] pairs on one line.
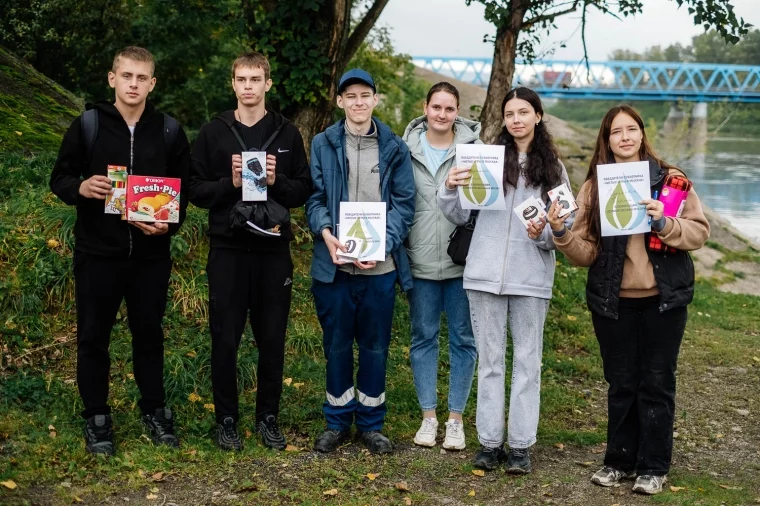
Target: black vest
[[673, 272]]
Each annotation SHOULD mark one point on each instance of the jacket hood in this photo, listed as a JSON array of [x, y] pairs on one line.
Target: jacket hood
[[466, 131], [109, 109], [228, 118]]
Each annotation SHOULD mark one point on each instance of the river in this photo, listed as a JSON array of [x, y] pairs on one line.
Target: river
[[727, 179]]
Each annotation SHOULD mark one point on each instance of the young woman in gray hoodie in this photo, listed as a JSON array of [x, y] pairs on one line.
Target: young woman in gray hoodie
[[508, 279], [432, 141]]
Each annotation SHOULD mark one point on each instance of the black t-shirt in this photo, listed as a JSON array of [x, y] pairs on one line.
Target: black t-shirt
[[255, 136]]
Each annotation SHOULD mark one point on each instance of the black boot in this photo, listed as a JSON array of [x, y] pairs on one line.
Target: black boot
[[227, 437], [160, 426], [489, 458], [331, 439], [270, 433], [518, 461], [376, 442], [98, 435]]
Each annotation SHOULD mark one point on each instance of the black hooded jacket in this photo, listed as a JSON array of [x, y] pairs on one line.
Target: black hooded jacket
[[146, 154], [211, 178]]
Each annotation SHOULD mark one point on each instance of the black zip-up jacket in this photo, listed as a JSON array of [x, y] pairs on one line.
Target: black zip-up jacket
[[673, 272], [211, 179], [104, 234]]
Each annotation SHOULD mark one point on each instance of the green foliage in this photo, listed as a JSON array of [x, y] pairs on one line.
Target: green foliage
[[402, 93], [34, 111], [541, 15]]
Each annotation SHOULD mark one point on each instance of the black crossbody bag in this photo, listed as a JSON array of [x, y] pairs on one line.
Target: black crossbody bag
[[459, 240]]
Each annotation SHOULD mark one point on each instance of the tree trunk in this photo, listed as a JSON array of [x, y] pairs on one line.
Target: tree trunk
[[334, 20], [502, 71]]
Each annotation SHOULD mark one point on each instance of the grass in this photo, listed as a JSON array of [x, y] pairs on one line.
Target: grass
[[40, 438]]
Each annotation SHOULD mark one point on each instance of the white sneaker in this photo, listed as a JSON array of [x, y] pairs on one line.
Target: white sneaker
[[649, 485], [609, 476], [426, 435], [454, 435]]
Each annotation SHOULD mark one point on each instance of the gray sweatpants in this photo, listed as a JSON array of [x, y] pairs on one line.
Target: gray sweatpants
[[488, 313]]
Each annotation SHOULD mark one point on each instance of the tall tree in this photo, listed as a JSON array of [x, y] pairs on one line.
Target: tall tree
[[520, 23], [309, 44]]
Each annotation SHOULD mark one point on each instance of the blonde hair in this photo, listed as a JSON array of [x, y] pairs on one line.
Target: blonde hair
[[251, 60], [137, 54]]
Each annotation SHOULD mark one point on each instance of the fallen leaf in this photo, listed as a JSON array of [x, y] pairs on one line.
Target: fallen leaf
[[291, 448], [151, 496], [53, 433], [154, 490], [141, 473], [10, 484], [371, 476], [559, 445], [287, 381], [729, 487], [332, 491], [158, 477], [587, 463], [572, 318], [478, 472], [407, 501], [297, 385], [402, 485], [248, 433], [756, 359], [471, 493], [76, 498], [209, 407], [191, 353], [676, 489], [19, 133], [52, 243], [193, 397], [50, 427]]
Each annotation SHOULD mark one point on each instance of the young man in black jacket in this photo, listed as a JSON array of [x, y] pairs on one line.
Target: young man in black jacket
[[116, 260], [246, 271]]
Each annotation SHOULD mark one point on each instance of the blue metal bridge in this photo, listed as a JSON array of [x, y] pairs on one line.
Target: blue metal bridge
[[614, 80]]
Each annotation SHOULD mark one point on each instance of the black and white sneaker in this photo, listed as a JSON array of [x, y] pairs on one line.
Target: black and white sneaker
[[98, 435], [160, 426], [270, 433], [227, 437]]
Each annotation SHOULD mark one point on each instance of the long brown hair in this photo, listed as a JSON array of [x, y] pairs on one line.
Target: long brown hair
[[542, 168], [603, 155]]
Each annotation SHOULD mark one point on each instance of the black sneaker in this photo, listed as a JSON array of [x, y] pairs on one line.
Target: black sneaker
[[376, 443], [270, 433], [489, 458], [98, 435], [331, 439], [227, 437], [160, 425], [518, 461]]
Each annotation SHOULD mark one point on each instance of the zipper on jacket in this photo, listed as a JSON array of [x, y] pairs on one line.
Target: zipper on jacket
[[130, 171]]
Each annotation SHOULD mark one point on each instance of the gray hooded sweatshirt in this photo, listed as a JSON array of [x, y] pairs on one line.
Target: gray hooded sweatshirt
[[429, 235], [502, 259]]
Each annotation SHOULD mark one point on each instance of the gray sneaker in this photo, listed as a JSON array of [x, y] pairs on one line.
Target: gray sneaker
[[649, 485], [608, 476]]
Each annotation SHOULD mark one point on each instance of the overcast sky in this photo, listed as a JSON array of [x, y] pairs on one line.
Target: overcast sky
[[451, 28]]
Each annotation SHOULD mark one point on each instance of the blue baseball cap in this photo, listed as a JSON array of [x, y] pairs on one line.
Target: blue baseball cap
[[356, 76]]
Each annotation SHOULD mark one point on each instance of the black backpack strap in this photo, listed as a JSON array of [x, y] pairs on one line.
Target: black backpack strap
[[171, 130], [89, 124], [263, 147]]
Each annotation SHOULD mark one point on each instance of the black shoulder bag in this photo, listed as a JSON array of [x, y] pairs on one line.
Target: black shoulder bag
[[460, 238]]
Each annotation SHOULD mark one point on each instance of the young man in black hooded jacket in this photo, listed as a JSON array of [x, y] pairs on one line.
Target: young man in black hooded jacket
[[116, 260], [248, 272]]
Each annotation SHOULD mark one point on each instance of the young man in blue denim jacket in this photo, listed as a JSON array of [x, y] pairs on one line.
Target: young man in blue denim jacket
[[358, 159]]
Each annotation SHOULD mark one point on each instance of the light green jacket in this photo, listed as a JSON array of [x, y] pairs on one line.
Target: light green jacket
[[429, 235]]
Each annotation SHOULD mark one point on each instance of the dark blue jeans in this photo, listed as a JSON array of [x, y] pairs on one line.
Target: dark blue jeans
[[640, 353], [355, 308]]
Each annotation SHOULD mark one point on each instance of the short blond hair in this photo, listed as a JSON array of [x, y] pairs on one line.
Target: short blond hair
[[137, 54], [252, 60]]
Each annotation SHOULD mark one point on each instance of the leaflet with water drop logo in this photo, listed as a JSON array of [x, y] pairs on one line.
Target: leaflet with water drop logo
[[621, 187], [364, 221], [485, 189]]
